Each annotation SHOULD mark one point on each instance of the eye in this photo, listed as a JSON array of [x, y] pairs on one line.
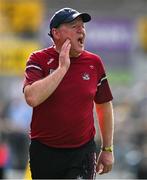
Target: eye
[[74, 26]]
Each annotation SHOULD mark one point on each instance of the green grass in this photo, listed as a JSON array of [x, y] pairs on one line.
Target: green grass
[[120, 77]]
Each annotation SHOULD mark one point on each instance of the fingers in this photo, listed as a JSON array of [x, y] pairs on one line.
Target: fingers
[[103, 168], [106, 169], [66, 47], [99, 168], [104, 162], [64, 57]]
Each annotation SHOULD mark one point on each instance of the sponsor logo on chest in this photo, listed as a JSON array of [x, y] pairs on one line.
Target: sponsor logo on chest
[[86, 76]]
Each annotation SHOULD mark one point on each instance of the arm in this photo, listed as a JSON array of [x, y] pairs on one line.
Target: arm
[[106, 124], [40, 90]]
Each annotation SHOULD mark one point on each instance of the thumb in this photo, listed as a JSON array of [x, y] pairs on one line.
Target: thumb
[[99, 168]]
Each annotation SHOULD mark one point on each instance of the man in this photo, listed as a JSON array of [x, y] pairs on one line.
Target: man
[[62, 83]]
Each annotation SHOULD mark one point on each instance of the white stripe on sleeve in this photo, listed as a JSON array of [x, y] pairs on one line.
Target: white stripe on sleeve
[[104, 78], [34, 66]]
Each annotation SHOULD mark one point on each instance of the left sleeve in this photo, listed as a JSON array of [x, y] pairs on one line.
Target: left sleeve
[[103, 93]]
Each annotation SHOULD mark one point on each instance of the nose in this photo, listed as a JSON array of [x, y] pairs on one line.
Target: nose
[[80, 29]]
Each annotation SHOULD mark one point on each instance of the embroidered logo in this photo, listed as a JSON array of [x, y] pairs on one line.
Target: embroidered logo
[[86, 76], [50, 61], [91, 67]]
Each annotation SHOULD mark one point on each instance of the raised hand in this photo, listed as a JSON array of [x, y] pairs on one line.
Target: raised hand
[[64, 59]]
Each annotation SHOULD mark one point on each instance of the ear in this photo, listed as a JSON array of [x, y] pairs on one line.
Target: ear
[[55, 33]]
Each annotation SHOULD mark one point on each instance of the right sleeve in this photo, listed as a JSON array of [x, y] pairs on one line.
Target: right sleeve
[[33, 71]]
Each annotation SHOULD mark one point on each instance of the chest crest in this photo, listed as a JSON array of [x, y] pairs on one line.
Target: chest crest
[[86, 76]]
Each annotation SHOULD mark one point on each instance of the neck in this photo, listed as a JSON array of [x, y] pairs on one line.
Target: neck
[[74, 54]]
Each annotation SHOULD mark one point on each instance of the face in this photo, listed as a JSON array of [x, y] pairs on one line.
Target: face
[[75, 31]]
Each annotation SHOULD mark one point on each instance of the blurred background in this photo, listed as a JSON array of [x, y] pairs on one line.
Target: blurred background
[[118, 33]]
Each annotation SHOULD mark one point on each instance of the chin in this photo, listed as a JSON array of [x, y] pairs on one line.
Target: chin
[[76, 51], [79, 50]]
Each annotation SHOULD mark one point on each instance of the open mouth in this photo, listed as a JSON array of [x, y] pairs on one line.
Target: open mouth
[[81, 40]]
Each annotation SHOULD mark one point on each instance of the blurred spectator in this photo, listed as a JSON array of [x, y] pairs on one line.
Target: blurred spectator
[[142, 169], [18, 114], [3, 157], [3, 145]]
